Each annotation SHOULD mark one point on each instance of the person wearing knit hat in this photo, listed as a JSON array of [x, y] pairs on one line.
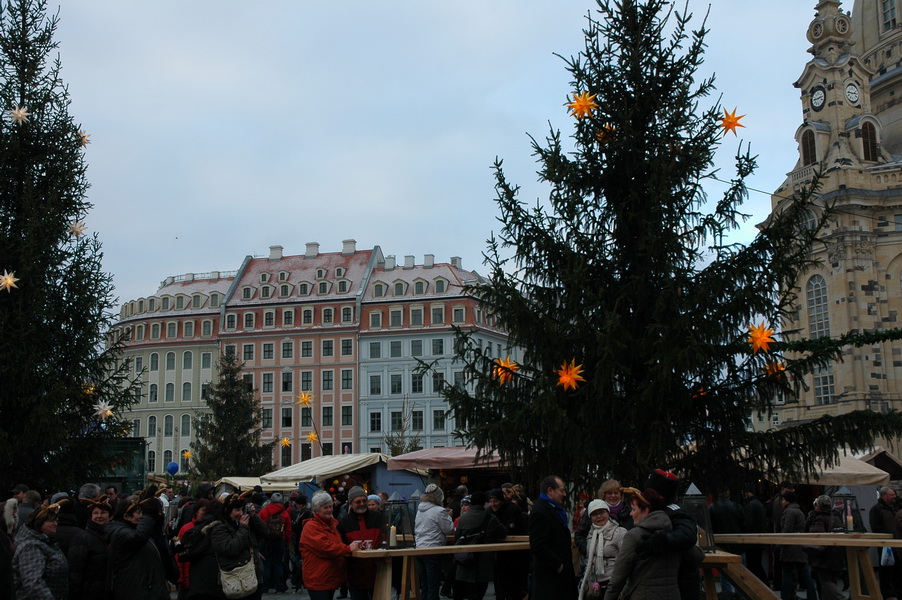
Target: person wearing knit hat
[[431, 526], [276, 545], [363, 525], [39, 566], [477, 526], [374, 502], [235, 540], [603, 546], [511, 568], [88, 553]]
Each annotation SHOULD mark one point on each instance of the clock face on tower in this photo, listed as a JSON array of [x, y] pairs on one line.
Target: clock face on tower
[[852, 93], [818, 96]]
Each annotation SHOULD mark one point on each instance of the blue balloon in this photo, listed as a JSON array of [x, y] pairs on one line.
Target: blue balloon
[[172, 468]]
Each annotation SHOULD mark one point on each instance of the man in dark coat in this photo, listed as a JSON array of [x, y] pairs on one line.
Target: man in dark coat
[[89, 556], [754, 520], [477, 526], [511, 567], [726, 517], [550, 545], [776, 519], [827, 562], [883, 520], [366, 526], [135, 563], [793, 558]]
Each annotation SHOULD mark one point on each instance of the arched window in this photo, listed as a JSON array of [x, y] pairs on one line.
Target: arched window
[[151, 427], [183, 466], [154, 361], [187, 360], [186, 392], [869, 141], [185, 430], [151, 461], [809, 153], [170, 361], [167, 458], [170, 392], [819, 326], [152, 394], [167, 428]]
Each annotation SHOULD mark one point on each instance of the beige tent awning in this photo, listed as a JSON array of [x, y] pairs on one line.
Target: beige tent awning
[[849, 471], [323, 467], [452, 457], [246, 483]]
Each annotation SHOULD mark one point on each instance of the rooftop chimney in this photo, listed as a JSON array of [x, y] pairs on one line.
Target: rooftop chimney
[[390, 262], [455, 262], [312, 250], [348, 247], [429, 261], [408, 261], [275, 252]]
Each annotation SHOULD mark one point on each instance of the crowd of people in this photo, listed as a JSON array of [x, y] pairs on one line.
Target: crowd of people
[[631, 542]]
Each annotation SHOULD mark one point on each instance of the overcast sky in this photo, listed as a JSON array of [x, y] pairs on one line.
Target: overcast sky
[[219, 128]]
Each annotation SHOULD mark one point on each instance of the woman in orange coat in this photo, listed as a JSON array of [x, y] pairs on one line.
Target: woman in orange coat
[[322, 551]]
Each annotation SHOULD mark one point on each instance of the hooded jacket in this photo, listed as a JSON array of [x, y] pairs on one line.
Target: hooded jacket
[[135, 562], [323, 554], [89, 564], [40, 571], [654, 578], [432, 525]]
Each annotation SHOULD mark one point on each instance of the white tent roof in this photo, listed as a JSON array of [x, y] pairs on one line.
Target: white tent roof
[[323, 467], [849, 471], [246, 483]]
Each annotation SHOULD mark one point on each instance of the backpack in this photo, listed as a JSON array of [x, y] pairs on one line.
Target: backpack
[[275, 527]]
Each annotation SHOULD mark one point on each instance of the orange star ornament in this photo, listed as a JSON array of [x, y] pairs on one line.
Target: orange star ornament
[[312, 437], [504, 369], [582, 105], [186, 454], [730, 121], [569, 375], [285, 442], [760, 338], [775, 369], [305, 399]]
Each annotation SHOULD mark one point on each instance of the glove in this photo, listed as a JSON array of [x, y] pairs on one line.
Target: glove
[[652, 544]]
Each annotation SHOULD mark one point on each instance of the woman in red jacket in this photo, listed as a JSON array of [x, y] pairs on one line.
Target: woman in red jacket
[[322, 551]]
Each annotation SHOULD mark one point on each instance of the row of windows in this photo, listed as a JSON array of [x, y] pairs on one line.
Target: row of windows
[[327, 417], [177, 302], [415, 316], [868, 145], [286, 384], [396, 380], [328, 316], [303, 289], [396, 420], [400, 288], [206, 361], [168, 426], [327, 348], [172, 330], [167, 458], [153, 392]]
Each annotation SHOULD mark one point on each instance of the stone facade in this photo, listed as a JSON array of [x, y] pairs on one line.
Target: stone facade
[[851, 131]]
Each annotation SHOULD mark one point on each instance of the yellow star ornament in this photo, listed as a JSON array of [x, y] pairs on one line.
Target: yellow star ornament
[[186, 455], [582, 105], [305, 399], [504, 369], [569, 375], [312, 437], [730, 121], [775, 369], [760, 338], [8, 281], [285, 442]]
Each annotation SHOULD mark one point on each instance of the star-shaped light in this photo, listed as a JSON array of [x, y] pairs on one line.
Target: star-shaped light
[[305, 399], [8, 281], [569, 375], [775, 369], [312, 437], [103, 409], [760, 337], [88, 389], [285, 442], [186, 454], [19, 115], [582, 105], [83, 138], [605, 132], [730, 121], [77, 228], [504, 369]]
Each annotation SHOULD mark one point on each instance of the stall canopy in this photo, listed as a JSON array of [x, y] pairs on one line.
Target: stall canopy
[[849, 471], [453, 457], [246, 483], [886, 460], [322, 467]]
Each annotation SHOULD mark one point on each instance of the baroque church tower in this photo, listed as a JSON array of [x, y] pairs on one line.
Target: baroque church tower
[[851, 132]]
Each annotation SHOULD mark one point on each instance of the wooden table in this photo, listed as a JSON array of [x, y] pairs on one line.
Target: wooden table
[[856, 545], [409, 588]]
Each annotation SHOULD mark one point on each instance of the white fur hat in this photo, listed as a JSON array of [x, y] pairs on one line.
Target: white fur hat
[[597, 505]]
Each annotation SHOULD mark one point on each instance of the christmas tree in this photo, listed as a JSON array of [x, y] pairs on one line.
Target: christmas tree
[[62, 395], [647, 338], [228, 435]]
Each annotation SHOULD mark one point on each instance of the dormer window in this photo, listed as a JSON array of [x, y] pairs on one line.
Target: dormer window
[[379, 290], [284, 290], [342, 287], [265, 291], [264, 277], [323, 287], [283, 275], [320, 273], [419, 288], [246, 293], [303, 289], [440, 286], [180, 302], [339, 271], [214, 300], [399, 288], [165, 303]]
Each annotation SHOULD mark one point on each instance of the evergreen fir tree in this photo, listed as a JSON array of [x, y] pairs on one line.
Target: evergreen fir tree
[[62, 394], [228, 436], [626, 272]]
